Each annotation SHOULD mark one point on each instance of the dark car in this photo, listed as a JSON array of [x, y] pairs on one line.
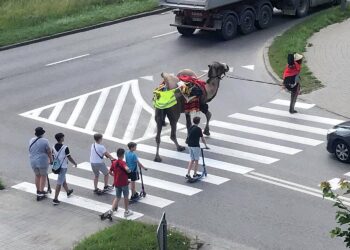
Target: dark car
[[338, 141]]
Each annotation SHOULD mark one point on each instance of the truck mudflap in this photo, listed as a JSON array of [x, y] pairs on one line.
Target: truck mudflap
[[193, 27]]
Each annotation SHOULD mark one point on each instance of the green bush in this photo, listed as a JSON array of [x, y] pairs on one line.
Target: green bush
[[131, 235], [295, 40], [22, 20]]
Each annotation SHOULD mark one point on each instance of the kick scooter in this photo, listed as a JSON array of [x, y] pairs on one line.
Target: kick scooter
[[142, 192], [204, 173]]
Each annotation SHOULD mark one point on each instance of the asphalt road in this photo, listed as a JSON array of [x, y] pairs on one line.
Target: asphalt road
[[251, 210]]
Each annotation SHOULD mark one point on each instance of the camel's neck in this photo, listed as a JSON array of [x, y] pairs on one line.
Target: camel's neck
[[212, 87]]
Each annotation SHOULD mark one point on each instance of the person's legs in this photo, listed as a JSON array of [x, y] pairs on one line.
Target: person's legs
[[195, 167], [126, 197], [189, 167], [96, 171], [293, 99], [106, 180], [103, 168], [42, 183], [57, 192], [133, 188], [37, 182]]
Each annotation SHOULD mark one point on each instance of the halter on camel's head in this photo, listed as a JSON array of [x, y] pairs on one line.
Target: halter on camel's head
[[217, 70]]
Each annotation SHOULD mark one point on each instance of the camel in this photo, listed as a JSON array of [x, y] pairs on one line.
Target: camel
[[216, 72]]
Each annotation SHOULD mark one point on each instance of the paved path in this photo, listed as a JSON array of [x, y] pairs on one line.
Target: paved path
[[329, 59]]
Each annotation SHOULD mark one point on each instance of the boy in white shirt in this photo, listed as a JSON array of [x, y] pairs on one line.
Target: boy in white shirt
[[98, 151]]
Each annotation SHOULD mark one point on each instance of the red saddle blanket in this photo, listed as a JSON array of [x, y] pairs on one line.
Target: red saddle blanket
[[194, 104]]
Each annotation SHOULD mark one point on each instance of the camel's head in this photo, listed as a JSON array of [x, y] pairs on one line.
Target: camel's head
[[217, 70]]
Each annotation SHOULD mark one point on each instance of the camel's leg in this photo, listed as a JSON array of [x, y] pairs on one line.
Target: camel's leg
[[205, 110], [159, 120], [173, 118], [188, 121]]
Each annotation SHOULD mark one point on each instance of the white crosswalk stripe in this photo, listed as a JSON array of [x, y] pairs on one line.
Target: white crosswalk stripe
[[311, 118], [231, 152], [252, 143], [166, 168], [147, 180], [184, 157], [79, 202], [278, 123], [299, 105], [87, 184], [266, 133]]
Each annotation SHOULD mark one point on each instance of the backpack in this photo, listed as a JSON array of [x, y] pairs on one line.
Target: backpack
[[289, 82], [57, 164]]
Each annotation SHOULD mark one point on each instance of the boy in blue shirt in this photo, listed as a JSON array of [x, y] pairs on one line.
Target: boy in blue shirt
[[132, 162]]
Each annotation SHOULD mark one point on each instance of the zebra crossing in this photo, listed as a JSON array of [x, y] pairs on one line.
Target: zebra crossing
[[260, 137]]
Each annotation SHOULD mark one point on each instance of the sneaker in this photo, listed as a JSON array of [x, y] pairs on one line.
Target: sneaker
[[128, 213], [39, 197], [196, 175], [97, 190], [108, 187], [56, 202], [188, 176], [70, 191]]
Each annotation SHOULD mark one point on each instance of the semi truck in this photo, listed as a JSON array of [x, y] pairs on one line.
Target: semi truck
[[228, 17]]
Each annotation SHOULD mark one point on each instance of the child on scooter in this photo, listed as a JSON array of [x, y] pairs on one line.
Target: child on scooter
[[133, 162], [120, 172]]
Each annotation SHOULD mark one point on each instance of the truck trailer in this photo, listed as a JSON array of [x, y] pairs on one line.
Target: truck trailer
[[227, 17]]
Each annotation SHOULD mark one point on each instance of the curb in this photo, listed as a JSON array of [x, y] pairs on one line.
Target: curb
[[267, 64], [91, 27]]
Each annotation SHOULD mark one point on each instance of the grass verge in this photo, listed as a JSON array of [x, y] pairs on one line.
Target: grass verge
[[1, 185], [22, 20], [295, 40], [131, 235]]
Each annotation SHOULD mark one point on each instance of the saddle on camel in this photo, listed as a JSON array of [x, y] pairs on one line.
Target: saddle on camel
[[191, 89]]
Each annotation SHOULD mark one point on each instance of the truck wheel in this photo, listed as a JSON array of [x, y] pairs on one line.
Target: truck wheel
[[303, 8], [229, 28], [185, 31], [247, 21], [265, 17]]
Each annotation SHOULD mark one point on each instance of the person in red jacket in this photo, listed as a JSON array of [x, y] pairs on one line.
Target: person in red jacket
[[291, 78], [119, 171]]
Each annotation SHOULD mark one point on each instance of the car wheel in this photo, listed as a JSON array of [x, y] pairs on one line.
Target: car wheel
[[303, 8], [342, 151]]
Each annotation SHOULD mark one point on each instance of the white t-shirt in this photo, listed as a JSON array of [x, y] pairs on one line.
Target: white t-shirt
[[95, 155]]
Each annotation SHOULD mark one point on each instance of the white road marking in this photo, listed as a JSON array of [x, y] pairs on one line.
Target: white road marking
[[165, 34], [131, 127], [79, 202], [266, 133], [300, 105], [231, 152], [185, 157], [150, 181], [311, 118], [205, 70], [149, 78], [66, 60], [170, 186], [56, 111], [116, 110], [347, 174], [88, 184], [97, 110], [230, 69], [252, 143], [293, 186], [250, 67], [213, 179], [278, 123], [77, 110]]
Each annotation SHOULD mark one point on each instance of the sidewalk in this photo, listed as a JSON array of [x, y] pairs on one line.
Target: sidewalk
[[329, 59], [28, 224]]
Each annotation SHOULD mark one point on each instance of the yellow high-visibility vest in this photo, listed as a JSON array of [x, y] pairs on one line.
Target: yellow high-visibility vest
[[164, 99]]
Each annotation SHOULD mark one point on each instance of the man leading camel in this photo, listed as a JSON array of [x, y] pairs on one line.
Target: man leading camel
[[194, 133]]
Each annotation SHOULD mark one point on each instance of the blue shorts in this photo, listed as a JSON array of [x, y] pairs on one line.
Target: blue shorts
[[61, 176], [120, 190], [195, 153]]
